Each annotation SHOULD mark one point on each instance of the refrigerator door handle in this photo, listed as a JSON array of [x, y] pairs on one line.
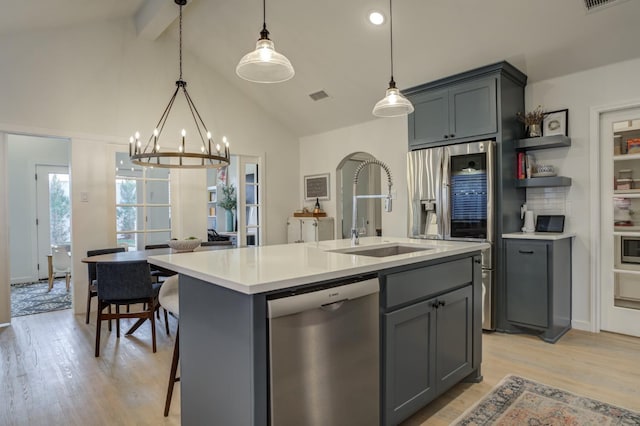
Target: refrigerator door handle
[[444, 230]]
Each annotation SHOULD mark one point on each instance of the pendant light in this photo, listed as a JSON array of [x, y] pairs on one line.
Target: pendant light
[[265, 65], [180, 154], [394, 104]]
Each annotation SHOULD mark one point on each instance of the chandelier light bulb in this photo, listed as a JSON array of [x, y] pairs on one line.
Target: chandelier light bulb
[[184, 133], [137, 135], [208, 135], [218, 147], [131, 139], [155, 132], [180, 148]]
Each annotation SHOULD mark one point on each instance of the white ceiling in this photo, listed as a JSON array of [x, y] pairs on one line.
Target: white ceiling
[[333, 47]]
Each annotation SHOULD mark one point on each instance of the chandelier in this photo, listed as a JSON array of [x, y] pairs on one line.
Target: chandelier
[[152, 154]]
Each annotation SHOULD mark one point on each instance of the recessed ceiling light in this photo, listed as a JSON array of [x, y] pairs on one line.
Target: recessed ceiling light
[[376, 18]]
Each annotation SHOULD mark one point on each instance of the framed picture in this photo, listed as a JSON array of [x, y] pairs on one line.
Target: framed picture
[[316, 186], [556, 123]]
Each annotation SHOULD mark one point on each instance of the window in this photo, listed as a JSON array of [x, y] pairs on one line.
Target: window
[[143, 209]]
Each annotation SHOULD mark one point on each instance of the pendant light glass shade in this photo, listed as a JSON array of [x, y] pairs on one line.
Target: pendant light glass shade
[[265, 65], [394, 104]]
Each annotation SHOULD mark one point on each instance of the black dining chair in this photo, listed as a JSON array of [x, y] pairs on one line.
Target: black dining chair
[[126, 283], [92, 289], [159, 274]]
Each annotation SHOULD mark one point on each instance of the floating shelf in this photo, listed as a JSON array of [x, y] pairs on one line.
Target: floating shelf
[[543, 142], [626, 157], [543, 182]]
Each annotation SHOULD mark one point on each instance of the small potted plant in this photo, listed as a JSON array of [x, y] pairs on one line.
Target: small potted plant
[[533, 121], [228, 202]]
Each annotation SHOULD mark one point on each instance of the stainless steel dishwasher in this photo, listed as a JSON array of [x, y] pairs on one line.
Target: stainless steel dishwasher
[[324, 356]]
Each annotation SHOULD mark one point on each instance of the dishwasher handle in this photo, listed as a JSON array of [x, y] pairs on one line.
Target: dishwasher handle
[[321, 299]]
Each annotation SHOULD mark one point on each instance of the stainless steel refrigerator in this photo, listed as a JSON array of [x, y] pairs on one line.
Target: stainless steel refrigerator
[[451, 197]]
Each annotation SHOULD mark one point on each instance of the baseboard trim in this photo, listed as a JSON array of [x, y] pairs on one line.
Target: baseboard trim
[[582, 325]]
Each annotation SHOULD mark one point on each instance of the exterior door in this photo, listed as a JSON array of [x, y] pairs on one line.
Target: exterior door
[[620, 221], [53, 220]]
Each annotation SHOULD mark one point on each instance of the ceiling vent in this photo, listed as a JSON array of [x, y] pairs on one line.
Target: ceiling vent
[[595, 5], [319, 95]]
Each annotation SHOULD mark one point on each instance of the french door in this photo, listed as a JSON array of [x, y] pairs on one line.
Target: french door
[[620, 221]]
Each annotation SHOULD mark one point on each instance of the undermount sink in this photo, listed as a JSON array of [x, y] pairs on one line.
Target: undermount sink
[[384, 251]]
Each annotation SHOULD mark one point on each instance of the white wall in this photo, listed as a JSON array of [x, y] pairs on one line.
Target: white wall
[[97, 84], [385, 139], [25, 153]]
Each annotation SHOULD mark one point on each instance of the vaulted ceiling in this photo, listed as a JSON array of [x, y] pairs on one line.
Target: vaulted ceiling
[[334, 48]]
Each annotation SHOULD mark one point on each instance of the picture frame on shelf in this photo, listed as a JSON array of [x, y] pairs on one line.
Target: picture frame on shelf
[[316, 186], [556, 123]]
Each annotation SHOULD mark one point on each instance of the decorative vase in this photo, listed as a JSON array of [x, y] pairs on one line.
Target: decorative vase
[[229, 221], [535, 131]]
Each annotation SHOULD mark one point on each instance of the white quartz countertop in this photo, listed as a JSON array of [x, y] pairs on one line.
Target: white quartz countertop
[[540, 235], [252, 270]]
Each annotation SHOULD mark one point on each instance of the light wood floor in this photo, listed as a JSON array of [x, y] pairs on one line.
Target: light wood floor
[[48, 374]]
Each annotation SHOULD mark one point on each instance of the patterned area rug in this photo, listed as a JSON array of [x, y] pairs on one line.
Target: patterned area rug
[[33, 298], [518, 401]]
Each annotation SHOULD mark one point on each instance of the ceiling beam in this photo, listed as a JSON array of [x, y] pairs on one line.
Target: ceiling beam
[[155, 16]]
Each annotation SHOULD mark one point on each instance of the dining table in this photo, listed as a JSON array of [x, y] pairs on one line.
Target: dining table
[[137, 255], [129, 256]]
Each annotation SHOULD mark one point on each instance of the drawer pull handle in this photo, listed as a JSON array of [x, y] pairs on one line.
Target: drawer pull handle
[[441, 303], [525, 251]]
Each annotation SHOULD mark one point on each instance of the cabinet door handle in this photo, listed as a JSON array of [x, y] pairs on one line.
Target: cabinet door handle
[[441, 303], [452, 135], [446, 136], [525, 251], [435, 304]]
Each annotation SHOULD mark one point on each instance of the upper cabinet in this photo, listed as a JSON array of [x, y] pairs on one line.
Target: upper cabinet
[[458, 108], [463, 110]]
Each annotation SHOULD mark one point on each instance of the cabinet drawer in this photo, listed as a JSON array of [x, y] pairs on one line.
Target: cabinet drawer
[[420, 283]]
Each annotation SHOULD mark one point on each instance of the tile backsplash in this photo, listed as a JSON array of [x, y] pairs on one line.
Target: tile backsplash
[[547, 200]]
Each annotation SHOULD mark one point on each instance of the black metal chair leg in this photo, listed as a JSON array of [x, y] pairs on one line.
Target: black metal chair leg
[[172, 375]]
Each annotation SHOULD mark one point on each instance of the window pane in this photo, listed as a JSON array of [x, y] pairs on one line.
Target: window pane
[[157, 192], [129, 239], [252, 216], [126, 191], [158, 237], [59, 209], [252, 194], [126, 218], [158, 218]]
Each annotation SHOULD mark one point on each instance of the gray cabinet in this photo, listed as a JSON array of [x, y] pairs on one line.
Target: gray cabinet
[[538, 287], [428, 337], [457, 112]]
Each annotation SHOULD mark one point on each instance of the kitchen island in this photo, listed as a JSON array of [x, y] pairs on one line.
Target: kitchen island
[[224, 326]]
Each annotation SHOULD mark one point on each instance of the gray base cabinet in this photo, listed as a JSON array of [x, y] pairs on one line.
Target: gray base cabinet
[[428, 344], [538, 287]]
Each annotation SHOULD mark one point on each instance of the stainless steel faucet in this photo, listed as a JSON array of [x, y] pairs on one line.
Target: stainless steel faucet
[[387, 197]]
